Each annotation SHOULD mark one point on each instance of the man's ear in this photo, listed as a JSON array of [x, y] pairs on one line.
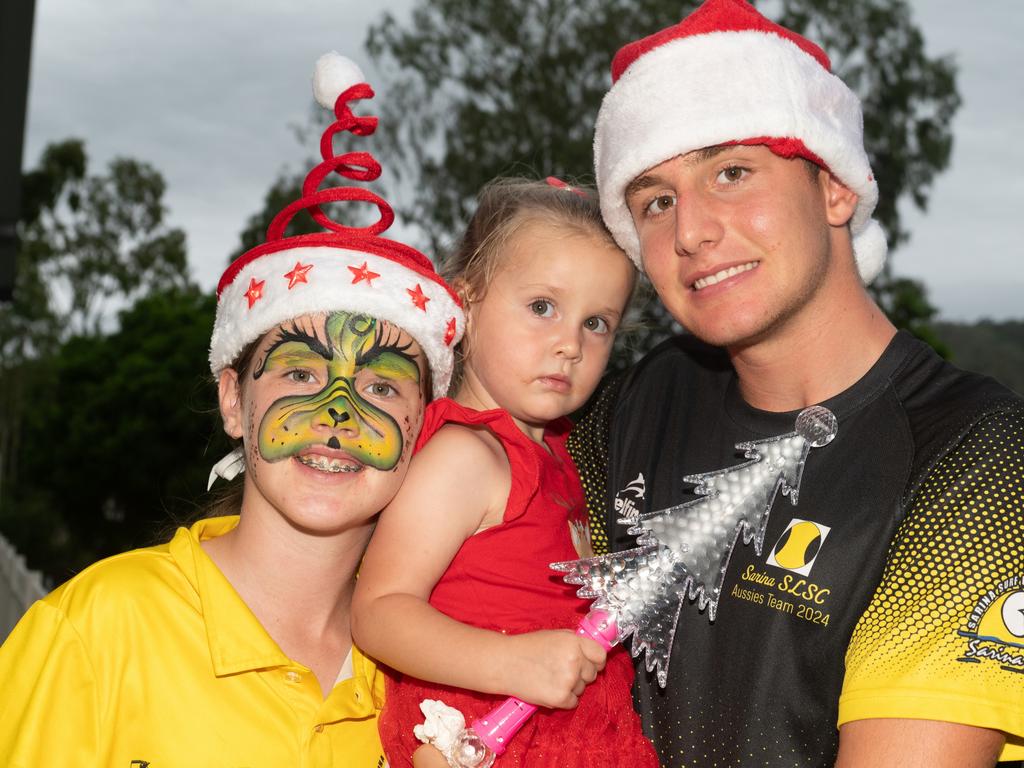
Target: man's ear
[[840, 200], [229, 395]]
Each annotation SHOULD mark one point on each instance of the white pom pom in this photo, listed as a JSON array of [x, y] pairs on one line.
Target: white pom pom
[[334, 74], [869, 249], [442, 725]]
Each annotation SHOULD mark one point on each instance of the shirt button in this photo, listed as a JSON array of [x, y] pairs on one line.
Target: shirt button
[[319, 728], [292, 676]]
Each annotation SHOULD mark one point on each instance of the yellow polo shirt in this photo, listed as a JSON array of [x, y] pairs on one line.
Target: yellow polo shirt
[[150, 659]]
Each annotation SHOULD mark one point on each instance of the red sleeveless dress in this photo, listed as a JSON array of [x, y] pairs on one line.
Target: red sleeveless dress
[[500, 579]]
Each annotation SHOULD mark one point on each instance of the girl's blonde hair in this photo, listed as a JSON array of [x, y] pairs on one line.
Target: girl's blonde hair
[[504, 207]]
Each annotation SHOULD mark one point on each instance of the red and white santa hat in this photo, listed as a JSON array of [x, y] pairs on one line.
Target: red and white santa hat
[[344, 268], [727, 75]]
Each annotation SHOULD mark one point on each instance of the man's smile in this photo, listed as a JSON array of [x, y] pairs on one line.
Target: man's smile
[[714, 278]]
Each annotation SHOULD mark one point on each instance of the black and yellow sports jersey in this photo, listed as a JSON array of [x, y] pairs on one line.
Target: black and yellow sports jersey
[[901, 569]]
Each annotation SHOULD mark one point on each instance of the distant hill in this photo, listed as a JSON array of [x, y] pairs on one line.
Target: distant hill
[[996, 349]]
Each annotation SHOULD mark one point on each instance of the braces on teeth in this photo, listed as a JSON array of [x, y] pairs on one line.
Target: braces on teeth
[[325, 464]]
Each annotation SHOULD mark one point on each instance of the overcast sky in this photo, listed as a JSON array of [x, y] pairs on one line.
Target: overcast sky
[[205, 90]]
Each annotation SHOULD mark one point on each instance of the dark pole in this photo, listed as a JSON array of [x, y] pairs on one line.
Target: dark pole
[[15, 54]]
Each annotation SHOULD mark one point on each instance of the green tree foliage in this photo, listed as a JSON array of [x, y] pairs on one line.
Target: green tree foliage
[[88, 243], [479, 88], [909, 99], [85, 240], [906, 303], [30, 324], [123, 435], [88, 239], [993, 348]]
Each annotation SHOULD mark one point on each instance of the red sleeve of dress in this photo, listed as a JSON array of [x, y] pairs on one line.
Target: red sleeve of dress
[[518, 447]]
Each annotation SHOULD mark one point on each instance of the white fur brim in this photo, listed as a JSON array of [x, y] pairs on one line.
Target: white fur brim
[[330, 288], [711, 89]]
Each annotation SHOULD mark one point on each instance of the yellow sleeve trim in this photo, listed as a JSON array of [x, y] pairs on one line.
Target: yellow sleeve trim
[[914, 704]]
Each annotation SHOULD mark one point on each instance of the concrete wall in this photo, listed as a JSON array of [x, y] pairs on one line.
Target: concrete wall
[[19, 587]]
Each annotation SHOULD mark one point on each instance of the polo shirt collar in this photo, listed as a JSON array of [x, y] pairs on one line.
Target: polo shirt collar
[[239, 643], [360, 696], [237, 640], [368, 674]]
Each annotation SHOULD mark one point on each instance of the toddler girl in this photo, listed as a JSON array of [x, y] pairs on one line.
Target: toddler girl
[[455, 591]]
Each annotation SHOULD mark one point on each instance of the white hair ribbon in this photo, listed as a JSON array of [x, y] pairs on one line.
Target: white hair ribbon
[[230, 467]]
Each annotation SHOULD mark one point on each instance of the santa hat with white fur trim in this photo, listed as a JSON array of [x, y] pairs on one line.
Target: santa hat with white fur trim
[[345, 268], [727, 75]]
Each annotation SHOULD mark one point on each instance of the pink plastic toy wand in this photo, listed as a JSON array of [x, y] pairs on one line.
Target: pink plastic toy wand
[[486, 738]]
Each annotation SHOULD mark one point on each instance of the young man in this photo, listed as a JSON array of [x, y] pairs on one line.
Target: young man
[[890, 599]]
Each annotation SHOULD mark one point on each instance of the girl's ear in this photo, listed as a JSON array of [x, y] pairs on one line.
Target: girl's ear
[[465, 294], [462, 288], [229, 395]]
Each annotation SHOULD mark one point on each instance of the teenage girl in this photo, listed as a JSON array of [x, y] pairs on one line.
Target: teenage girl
[[455, 592], [230, 644]]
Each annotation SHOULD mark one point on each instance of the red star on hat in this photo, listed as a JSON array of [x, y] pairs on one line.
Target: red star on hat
[[449, 331], [418, 297], [255, 292], [408, 279], [362, 273], [298, 274]]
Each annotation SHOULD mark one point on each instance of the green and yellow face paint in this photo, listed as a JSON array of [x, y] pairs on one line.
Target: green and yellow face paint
[[360, 364]]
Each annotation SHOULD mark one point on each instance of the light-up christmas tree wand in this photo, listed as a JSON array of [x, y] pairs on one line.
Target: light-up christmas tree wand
[[683, 551]]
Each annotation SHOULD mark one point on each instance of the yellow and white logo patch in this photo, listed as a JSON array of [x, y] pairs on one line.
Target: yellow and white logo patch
[[995, 628], [798, 546]]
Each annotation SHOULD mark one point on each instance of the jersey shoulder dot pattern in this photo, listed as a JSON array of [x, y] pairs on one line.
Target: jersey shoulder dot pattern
[[959, 550], [588, 446]]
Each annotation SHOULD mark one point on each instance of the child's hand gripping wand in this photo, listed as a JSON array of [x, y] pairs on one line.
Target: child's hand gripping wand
[[486, 738]]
